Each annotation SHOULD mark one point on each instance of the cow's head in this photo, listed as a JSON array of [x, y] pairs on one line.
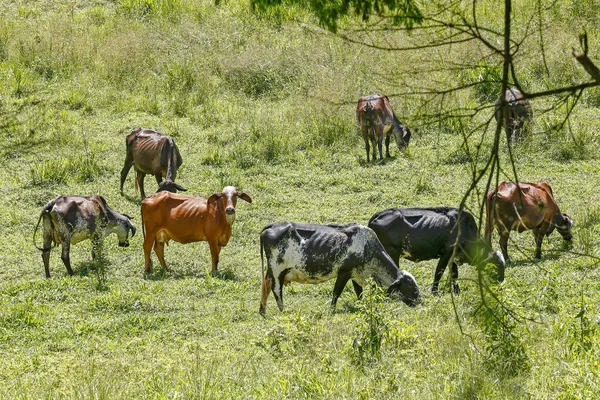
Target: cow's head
[[497, 259], [401, 134], [230, 194], [121, 227], [406, 286], [563, 224], [169, 186]]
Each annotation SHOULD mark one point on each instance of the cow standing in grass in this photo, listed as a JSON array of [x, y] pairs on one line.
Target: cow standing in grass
[[377, 119], [512, 207], [185, 219], [69, 220], [151, 152], [309, 253], [515, 110], [419, 234]]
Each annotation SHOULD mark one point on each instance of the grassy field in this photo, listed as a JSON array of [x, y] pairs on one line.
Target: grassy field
[[267, 103]]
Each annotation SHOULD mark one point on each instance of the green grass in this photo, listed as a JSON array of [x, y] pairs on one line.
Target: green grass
[[267, 103]]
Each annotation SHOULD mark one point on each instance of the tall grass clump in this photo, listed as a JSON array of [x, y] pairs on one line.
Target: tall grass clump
[[371, 326]]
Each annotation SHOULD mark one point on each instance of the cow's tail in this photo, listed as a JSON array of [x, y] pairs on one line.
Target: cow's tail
[[45, 211], [262, 259]]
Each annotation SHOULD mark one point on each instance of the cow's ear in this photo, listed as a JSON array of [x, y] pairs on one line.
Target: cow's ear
[[179, 187], [244, 196], [214, 198]]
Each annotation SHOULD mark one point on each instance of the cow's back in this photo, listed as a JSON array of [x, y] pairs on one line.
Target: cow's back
[[147, 148]]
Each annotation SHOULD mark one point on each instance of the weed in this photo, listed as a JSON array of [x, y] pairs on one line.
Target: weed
[[371, 326]]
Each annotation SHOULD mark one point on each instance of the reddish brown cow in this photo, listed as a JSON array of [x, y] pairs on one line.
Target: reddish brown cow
[[151, 152], [516, 110], [376, 119], [187, 219], [528, 206]]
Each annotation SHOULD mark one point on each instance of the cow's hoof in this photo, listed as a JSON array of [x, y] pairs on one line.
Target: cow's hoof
[[214, 273]]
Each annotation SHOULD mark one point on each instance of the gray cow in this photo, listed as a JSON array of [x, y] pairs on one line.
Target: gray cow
[[309, 253], [515, 109], [69, 220], [151, 152]]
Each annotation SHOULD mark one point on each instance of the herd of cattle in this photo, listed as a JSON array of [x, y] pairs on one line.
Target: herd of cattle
[[310, 253]]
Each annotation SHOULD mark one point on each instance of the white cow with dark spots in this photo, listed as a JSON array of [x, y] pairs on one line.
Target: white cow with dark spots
[[309, 253]]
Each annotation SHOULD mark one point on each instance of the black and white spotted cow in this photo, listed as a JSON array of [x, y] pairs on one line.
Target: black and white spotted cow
[[309, 253], [419, 234], [69, 220]]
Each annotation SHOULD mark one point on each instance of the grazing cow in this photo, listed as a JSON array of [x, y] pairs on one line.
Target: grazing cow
[[151, 152], [71, 219], [527, 206], [419, 234], [187, 219], [376, 119], [516, 111], [308, 253]]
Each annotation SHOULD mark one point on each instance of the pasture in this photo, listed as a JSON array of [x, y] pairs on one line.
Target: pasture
[[267, 103]]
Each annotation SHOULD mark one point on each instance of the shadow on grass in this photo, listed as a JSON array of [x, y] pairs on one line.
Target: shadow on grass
[[375, 163], [98, 267], [159, 274], [133, 199]]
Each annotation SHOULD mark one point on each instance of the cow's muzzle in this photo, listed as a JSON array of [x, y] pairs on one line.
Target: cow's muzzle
[[230, 210], [124, 244]]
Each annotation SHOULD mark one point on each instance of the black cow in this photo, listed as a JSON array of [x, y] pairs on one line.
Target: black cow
[[419, 234], [308, 253], [71, 219], [151, 152]]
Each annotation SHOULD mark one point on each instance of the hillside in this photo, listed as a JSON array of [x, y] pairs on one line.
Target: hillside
[[266, 102]]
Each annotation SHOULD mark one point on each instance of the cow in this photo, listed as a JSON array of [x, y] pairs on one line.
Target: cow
[[419, 234], [376, 119], [517, 109], [151, 152], [187, 219], [310, 253], [512, 207], [69, 220]]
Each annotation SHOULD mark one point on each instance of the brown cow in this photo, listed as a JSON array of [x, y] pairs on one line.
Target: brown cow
[[187, 219], [530, 206], [71, 219], [517, 109], [151, 152], [376, 119]]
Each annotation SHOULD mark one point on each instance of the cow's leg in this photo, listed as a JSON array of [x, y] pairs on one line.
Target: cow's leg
[[278, 289], [379, 136], [66, 248], [158, 178], [148, 242], [439, 271], [454, 271], [387, 132], [504, 244], [139, 176], [539, 237], [266, 288], [46, 253], [387, 145], [159, 249], [340, 283], [365, 134], [357, 289], [126, 168], [215, 249]]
